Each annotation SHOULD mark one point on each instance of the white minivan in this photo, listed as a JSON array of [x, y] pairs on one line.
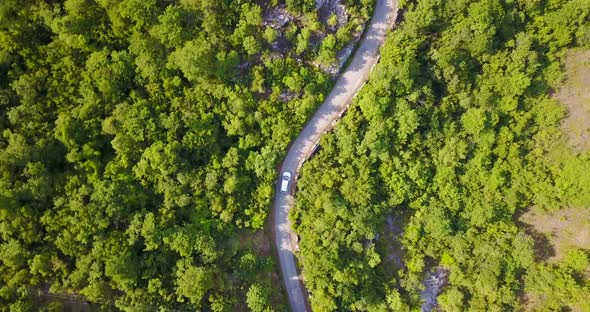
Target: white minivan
[[285, 181]]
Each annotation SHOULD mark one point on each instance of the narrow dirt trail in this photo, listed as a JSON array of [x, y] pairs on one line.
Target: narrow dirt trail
[[340, 97]]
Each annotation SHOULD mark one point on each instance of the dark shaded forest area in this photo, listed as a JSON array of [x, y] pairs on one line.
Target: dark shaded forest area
[[139, 145], [450, 138]]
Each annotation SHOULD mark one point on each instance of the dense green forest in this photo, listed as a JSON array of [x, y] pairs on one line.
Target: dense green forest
[[455, 134], [139, 146]]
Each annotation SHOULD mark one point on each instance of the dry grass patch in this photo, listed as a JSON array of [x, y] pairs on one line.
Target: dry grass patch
[[575, 95], [555, 234], [564, 229]]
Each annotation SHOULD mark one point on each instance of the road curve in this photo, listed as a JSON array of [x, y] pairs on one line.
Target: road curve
[[335, 104]]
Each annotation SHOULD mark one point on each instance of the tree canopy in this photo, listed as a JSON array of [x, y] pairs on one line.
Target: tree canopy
[[451, 137], [139, 145]]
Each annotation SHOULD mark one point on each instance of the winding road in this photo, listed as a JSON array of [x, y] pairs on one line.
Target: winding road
[[322, 121]]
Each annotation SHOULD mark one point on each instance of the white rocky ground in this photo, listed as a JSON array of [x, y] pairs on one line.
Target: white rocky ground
[[278, 17], [434, 282]]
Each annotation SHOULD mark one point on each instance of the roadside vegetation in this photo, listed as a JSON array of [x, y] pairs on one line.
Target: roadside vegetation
[[139, 145], [460, 129]]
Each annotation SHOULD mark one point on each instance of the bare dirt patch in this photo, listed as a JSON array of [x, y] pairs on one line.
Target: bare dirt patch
[[575, 96], [563, 230], [555, 234]]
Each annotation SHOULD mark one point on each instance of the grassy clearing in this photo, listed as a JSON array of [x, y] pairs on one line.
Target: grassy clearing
[[559, 228], [564, 229], [575, 97], [555, 234]]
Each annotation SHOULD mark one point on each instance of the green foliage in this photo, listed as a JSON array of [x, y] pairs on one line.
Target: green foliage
[[395, 302], [451, 133], [300, 6], [193, 282], [194, 59], [333, 20], [138, 134], [270, 35], [560, 285], [258, 297], [327, 54], [303, 40], [451, 300]]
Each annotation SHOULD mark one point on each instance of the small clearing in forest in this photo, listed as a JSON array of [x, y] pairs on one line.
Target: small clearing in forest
[[576, 98], [555, 233], [564, 229]]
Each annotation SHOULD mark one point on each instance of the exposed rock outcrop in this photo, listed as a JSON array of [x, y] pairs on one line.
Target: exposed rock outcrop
[[434, 282]]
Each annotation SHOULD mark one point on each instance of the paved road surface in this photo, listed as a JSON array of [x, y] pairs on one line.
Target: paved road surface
[[336, 103]]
